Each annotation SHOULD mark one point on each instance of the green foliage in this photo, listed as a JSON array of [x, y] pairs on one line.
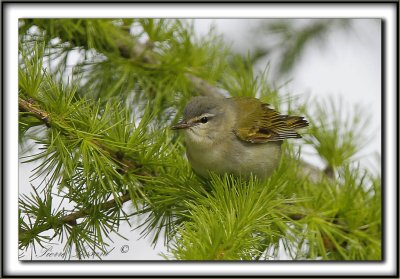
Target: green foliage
[[101, 138], [236, 220], [336, 136], [337, 224]]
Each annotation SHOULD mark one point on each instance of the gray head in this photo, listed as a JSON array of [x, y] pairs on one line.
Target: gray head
[[204, 118], [203, 106]]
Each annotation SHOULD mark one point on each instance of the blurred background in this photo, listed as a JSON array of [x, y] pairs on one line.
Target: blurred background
[[317, 58]]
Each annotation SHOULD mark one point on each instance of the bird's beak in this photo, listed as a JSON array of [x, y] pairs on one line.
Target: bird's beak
[[182, 125]]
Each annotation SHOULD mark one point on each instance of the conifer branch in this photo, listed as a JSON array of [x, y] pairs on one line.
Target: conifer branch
[[125, 164], [203, 87], [141, 52], [32, 108], [71, 219]]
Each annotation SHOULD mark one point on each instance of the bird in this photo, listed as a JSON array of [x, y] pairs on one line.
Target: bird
[[241, 136]]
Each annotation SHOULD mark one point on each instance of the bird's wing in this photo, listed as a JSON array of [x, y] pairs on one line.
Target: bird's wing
[[258, 123]]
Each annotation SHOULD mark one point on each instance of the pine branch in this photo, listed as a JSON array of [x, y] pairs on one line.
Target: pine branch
[[141, 52], [203, 87], [31, 107], [71, 219], [125, 164]]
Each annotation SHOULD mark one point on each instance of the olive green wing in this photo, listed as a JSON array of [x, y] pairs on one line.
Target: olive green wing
[[258, 123]]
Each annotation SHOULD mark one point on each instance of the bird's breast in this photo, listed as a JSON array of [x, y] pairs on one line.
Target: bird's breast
[[234, 157]]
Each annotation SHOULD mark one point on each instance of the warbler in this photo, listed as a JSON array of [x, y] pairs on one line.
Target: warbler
[[239, 135]]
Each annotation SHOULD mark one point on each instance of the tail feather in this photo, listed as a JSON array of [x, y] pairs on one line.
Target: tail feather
[[296, 122]]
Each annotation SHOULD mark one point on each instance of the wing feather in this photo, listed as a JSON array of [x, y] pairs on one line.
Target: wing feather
[[258, 123]]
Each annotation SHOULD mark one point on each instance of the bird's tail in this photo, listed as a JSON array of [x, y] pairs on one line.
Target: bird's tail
[[296, 122]]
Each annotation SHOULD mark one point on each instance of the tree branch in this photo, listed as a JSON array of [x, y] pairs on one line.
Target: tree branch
[[71, 219], [31, 107], [203, 87], [124, 163], [142, 52]]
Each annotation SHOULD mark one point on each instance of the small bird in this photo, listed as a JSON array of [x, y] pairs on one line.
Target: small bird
[[239, 135]]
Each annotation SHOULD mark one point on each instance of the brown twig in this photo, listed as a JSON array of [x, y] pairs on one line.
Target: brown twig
[[71, 219], [141, 52], [203, 87], [31, 107]]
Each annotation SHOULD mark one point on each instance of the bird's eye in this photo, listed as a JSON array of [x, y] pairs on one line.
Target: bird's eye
[[204, 120]]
